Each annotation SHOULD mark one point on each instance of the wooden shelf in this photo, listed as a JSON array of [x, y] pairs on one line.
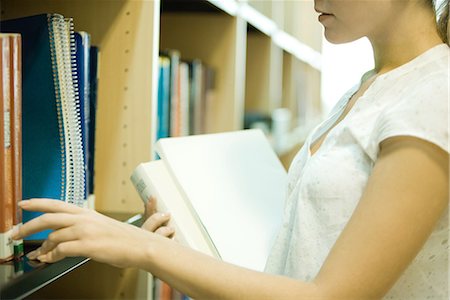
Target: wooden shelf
[[17, 285], [23, 278]]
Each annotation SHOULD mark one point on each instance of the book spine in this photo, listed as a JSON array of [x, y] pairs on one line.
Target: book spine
[[145, 188], [197, 102], [94, 56], [163, 97], [82, 44], [16, 133], [208, 115], [6, 192], [174, 92], [184, 99], [142, 184]]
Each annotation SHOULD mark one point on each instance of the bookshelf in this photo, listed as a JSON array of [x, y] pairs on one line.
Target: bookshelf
[[266, 55]]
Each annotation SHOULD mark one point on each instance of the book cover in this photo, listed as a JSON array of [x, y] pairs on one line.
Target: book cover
[[6, 180], [52, 153], [83, 44], [94, 61], [233, 186]]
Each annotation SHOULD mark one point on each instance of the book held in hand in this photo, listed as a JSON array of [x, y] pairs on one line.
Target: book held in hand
[[225, 193]]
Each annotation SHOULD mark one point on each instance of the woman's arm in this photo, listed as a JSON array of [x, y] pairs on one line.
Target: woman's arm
[[405, 196]]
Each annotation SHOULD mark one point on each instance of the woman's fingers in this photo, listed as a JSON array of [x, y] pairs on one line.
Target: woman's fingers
[[46, 221], [62, 250], [49, 205], [155, 221], [166, 231], [150, 207], [54, 238]]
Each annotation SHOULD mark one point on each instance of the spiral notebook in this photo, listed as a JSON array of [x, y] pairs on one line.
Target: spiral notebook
[[53, 154]]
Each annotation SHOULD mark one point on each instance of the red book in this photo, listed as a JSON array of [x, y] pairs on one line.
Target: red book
[[6, 191], [16, 132]]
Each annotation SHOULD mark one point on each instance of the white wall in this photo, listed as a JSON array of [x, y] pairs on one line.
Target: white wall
[[342, 67]]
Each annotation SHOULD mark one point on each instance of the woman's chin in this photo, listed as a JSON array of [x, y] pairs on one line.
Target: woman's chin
[[336, 38]]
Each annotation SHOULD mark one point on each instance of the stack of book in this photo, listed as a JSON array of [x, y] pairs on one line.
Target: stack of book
[[55, 113], [11, 146]]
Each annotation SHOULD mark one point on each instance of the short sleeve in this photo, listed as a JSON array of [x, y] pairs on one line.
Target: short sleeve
[[421, 112]]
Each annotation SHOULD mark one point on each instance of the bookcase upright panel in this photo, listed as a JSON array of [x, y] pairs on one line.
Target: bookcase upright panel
[[263, 74], [289, 87], [127, 35], [126, 105], [219, 41], [301, 90]]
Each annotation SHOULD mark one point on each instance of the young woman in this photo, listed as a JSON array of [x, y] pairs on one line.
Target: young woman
[[367, 208]]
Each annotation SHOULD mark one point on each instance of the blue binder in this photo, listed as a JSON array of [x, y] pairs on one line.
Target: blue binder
[[93, 82], [163, 129], [82, 42]]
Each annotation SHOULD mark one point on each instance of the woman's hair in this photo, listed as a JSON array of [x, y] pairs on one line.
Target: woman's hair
[[442, 12]]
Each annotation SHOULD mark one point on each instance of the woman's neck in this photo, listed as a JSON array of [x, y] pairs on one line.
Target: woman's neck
[[409, 35]]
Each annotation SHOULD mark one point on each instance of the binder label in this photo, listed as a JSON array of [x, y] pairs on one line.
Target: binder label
[[7, 129], [6, 245]]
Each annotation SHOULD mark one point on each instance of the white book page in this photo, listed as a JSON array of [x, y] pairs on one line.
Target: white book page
[[236, 184]]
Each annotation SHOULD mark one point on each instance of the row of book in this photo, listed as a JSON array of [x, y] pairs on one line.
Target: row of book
[[11, 145], [59, 69], [185, 95]]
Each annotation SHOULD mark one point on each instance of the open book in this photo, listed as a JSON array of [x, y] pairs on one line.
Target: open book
[[225, 193]]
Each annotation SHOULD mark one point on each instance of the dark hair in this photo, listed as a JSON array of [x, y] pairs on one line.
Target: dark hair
[[442, 23]]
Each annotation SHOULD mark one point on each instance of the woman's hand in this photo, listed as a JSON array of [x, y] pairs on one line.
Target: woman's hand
[[83, 232], [157, 221]]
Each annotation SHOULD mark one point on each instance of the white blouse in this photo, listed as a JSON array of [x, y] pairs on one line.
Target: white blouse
[[324, 189]]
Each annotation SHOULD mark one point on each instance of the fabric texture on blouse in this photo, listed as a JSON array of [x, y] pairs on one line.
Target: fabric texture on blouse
[[324, 188]]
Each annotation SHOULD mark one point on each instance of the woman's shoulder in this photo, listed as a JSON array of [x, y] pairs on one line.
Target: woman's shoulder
[[431, 71], [427, 83], [425, 78]]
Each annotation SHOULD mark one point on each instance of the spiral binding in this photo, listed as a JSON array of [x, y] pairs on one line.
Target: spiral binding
[[68, 107], [53, 46]]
